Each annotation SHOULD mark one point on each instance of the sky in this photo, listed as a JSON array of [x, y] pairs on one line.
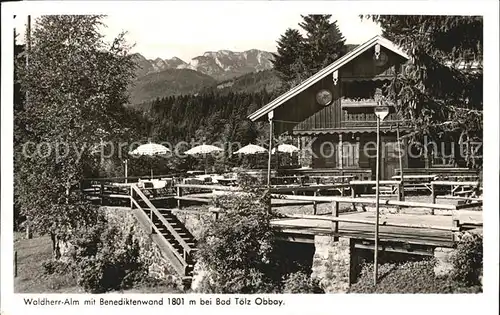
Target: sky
[[189, 35]]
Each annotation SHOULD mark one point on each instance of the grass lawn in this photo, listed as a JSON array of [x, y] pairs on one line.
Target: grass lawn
[[30, 273], [31, 254]]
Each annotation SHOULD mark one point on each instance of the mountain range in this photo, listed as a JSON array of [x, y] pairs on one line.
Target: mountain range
[[221, 65], [166, 77], [223, 70]]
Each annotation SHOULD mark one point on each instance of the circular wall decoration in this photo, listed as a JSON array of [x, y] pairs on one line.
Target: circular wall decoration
[[381, 60], [324, 97]]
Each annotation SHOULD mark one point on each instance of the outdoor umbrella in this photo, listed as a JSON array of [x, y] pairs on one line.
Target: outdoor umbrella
[[203, 149], [251, 149], [286, 148], [150, 149]]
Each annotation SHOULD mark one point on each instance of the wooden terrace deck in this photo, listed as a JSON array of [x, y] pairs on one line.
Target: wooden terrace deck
[[410, 235]]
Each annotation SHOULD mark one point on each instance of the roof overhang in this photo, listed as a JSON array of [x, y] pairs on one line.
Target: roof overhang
[[325, 72]]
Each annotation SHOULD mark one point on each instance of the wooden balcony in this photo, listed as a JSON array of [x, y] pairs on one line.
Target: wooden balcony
[[356, 114], [367, 120]]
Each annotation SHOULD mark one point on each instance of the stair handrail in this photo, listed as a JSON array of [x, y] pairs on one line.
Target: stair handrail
[[180, 257], [187, 249]]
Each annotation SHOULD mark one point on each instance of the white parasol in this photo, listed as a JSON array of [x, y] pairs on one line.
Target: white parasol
[[150, 149], [251, 149], [286, 148], [203, 150]]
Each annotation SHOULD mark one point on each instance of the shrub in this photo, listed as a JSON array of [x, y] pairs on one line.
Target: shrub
[[60, 282], [55, 267], [409, 277], [245, 280], [238, 249], [106, 258], [467, 260], [300, 282]]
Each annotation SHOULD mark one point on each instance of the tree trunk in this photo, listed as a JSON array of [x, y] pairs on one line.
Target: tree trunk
[[56, 251]]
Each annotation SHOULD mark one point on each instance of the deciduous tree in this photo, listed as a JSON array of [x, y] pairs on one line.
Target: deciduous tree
[[75, 86]]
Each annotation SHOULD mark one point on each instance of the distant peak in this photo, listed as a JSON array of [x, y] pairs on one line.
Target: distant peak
[[138, 55], [209, 53]]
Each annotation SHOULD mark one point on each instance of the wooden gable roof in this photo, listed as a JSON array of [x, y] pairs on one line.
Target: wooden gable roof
[[325, 72]]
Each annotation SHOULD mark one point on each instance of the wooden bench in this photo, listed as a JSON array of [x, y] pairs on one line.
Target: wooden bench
[[465, 200], [455, 185], [394, 186]]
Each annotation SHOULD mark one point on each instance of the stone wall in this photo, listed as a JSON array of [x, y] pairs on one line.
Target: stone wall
[[150, 254], [332, 263], [194, 222], [443, 265]]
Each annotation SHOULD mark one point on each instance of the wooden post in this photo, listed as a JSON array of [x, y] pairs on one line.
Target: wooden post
[[80, 188], [179, 194], [28, 52], [131, 198], [353, 195], [433, 193], [335, 214], [426, 160], [15, 264], [401, 191], [29, 233], [456, 224], [126, 170], [101, 192], [341, 154], [315, 206], [270, 116], [377, 195]]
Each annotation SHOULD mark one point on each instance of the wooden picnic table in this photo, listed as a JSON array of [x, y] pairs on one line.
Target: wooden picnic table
[[455, 185], [195, 172], [335, 178], [416, 177], [394, 184], [121, 184], [227, 181], [458, 178], [286, 179], [416, 181]]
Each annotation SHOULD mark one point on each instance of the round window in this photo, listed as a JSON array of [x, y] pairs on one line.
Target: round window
[[324, 97]]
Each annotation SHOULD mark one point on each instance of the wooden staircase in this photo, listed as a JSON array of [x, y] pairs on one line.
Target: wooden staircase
[[177, 244]]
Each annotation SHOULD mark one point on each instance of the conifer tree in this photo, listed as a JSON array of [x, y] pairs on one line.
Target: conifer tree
[[440, 91], [299, 57], [323, 44], [289, 51]]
